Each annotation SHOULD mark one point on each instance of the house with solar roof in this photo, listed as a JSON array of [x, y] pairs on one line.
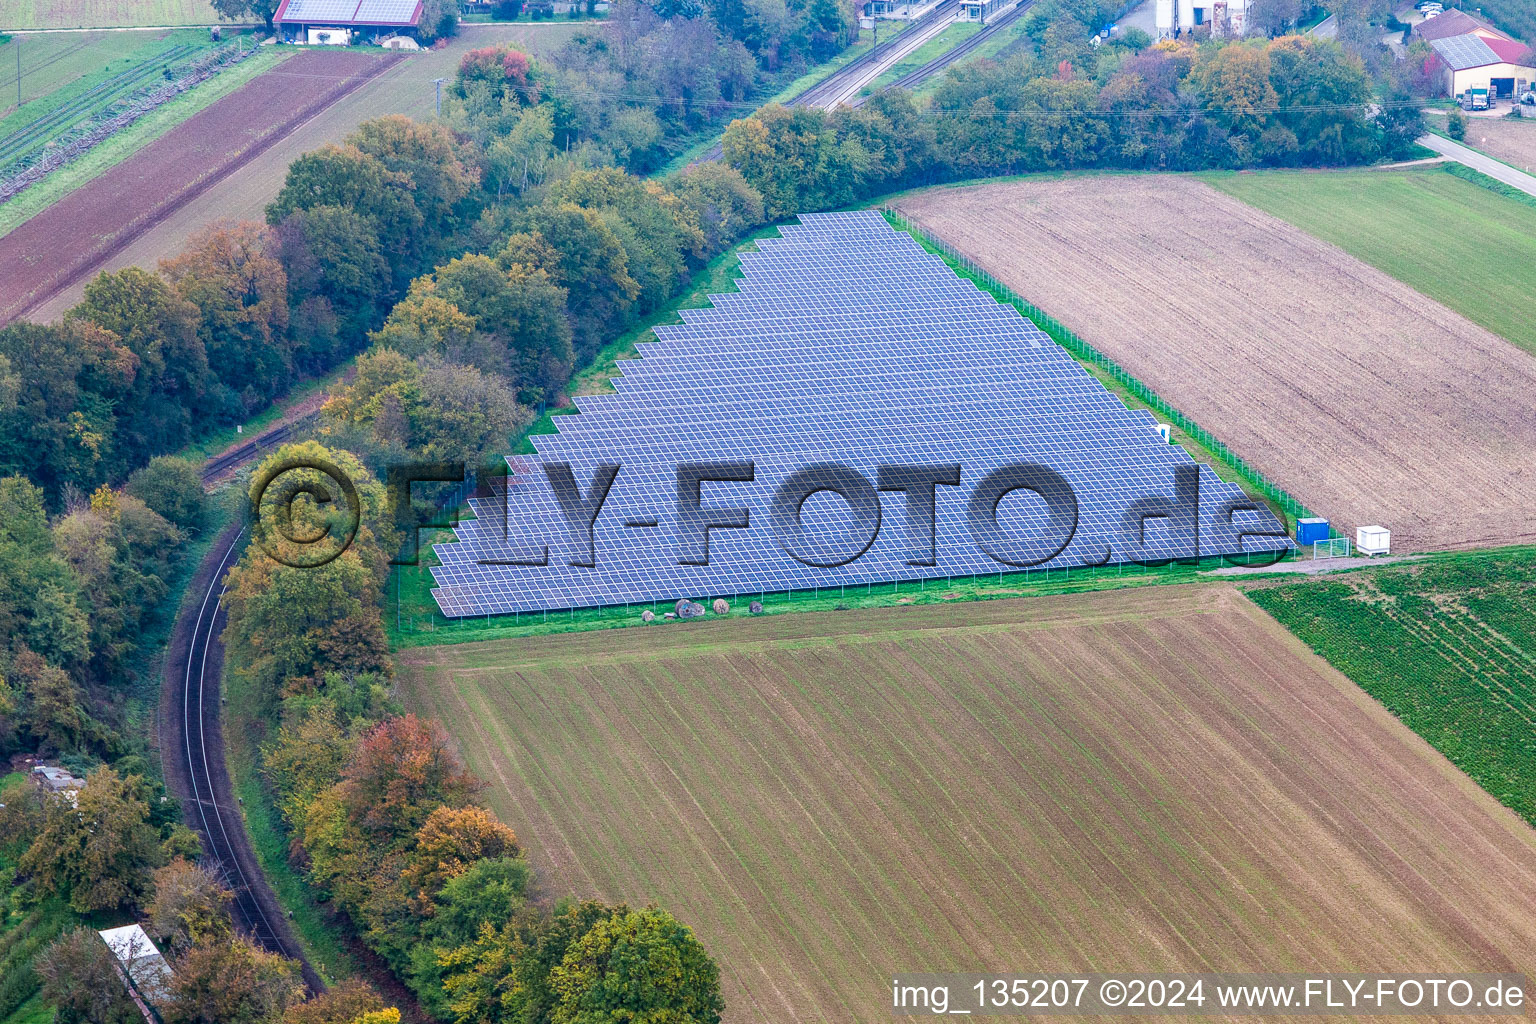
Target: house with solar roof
[[341, 22]]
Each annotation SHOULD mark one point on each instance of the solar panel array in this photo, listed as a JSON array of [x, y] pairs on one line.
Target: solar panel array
[[1465, 51], [342, 12], [846, 343]]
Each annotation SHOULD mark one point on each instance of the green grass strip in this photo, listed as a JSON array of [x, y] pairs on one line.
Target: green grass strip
[[1448, 645]]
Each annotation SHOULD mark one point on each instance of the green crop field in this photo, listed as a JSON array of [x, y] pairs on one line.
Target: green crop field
[[1456, 242], [60, 65], [1162, 777], [61, 14], [1449, 646]]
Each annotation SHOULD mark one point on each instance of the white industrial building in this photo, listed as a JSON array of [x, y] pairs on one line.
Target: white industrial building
[[1224, 17]]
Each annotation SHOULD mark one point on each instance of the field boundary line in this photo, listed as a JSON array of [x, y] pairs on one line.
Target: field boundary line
[[1082, 350]]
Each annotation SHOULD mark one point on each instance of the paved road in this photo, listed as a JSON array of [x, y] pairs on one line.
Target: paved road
[[1478, 162]]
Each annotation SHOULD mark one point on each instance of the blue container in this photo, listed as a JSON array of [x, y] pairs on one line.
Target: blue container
[[1310, 531]]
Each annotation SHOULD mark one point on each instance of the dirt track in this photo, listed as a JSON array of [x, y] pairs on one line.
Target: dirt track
[[1158, 779], [70, 239], [1368, 401]]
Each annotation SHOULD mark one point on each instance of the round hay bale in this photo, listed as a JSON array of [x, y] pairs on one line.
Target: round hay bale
[[721, 606], [681, 608], [756, 607], [647, 616], [695, 610]]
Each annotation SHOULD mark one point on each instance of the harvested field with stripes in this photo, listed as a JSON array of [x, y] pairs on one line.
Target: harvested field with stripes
[[68, 241], [1149, 780], [1368, 401]]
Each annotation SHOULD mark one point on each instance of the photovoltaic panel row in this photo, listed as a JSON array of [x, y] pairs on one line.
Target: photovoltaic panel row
[[846, 343]]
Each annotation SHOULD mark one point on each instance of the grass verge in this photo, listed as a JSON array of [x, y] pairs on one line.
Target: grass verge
[[1459, 243], [1448, 645], [252, 428], [957, 33], [56, 69], [135, 137]]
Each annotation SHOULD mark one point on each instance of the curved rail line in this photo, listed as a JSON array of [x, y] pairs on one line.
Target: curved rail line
[[204, 809]]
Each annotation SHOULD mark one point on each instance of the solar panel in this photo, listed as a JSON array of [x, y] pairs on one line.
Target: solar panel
[[387, 12], [1465, 51], [845, 343], [320, 10]]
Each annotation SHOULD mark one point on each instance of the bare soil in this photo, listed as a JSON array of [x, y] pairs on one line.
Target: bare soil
[[68, 241], [1508, 139], [1130, 780], [404, 88], [1366, 400]]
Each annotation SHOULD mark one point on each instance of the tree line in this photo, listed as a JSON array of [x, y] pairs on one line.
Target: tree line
[[384, 821], [1289, 101]]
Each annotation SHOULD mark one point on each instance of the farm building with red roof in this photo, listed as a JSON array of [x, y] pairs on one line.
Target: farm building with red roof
[[339, 22]]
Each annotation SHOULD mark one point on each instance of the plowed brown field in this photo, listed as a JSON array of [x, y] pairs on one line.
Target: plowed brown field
[[1131, 780], [71, 238], [1366, 400]]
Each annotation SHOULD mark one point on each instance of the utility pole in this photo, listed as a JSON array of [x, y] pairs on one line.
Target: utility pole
[[439, 83]]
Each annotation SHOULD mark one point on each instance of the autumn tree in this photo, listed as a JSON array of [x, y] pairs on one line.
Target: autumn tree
[[520, 315], [430, 408], [41, 608], [59, 426], [190, 907], [306, 757], [343, 1003], [81, 983], [429, 154], [447, 844], [173, 488], [344, 177], [637, 965], [231, 982], [100, 851], [724, 204], [171, 392], [231, 272], [401, 772], [580, 252]]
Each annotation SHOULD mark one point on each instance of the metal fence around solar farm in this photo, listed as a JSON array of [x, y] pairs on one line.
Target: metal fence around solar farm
[[1064, 337]]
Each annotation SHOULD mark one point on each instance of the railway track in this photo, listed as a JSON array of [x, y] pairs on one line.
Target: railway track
[[208, 802], [829, 91], [820, 94], [219, 466], [958, 53]]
